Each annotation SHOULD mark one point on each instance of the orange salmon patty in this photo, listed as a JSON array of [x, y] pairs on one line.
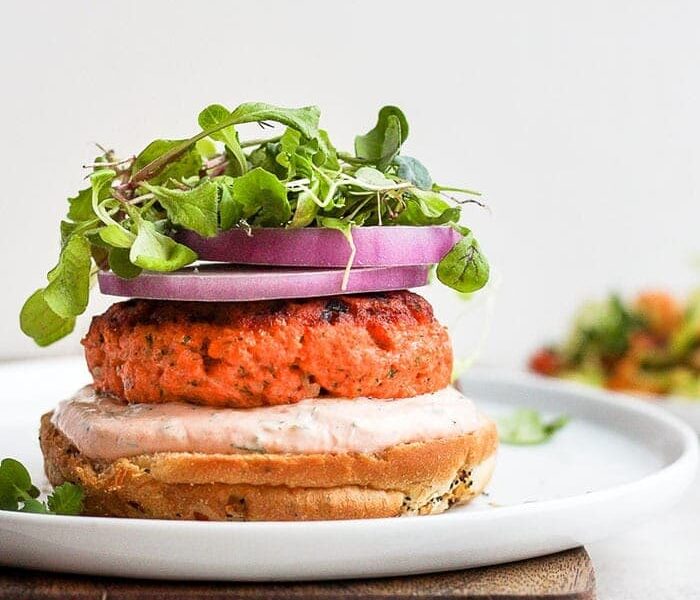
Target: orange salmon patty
[[245, 354]]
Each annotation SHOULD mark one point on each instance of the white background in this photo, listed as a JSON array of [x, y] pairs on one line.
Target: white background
[[579, 120]]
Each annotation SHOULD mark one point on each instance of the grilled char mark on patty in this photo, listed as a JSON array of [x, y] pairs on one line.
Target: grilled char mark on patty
[[384, 345]]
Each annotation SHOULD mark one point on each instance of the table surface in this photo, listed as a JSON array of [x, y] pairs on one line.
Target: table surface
[[566, 576], [659, 559]]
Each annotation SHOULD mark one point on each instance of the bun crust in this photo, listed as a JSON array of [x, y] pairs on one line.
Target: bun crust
[[408, 479], [245, 354]]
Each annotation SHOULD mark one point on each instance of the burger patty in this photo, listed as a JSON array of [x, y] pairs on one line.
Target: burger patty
[[386, 345]]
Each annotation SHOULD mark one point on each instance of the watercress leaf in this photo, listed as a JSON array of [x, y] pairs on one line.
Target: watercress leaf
[[304, 119], [15, 474], [413, 170], [382, 143], [117, 236], [306, 208], [33, 506], [10, 493], [298, 155], [42, 324], [66, 499], [288, 145], [67, 229], [17, 492], [8, 501], [302, 166], [121, 265], [15, 485], [69, 281], [206, 148], [80, 206], [262, 197], [345, 227], [90, 229], [526, 427], [555, 425], [464, 268], [185, 163], [427, 208], [305, 211], [209, 119], [100, 184], [230, 211], [328, 150], [157, 252], [194, 209], [114, 234], [265, 157], [373, 176]]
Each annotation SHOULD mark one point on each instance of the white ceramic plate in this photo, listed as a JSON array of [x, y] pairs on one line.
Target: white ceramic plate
[[686, 409], [618, 463]]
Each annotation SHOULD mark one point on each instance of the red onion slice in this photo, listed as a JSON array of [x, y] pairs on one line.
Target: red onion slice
[[227, 283], [386, 246]]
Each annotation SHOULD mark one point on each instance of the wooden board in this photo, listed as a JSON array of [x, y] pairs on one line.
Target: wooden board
[[563, 576]]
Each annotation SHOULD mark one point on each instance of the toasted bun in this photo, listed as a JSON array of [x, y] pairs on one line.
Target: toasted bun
[[408, 479]]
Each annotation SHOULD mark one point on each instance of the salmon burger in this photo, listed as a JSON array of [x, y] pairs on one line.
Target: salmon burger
[[266, 360], [245, 354], [322, 408]]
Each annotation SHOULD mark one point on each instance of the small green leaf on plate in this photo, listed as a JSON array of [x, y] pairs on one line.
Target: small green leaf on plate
[[66, 499], [527, 427], [33, 506]]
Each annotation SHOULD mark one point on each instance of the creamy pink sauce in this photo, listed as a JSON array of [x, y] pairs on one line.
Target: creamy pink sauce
[[104, 428]]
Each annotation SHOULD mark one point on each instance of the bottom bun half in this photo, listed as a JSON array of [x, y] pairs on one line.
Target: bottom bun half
[[409, 479]]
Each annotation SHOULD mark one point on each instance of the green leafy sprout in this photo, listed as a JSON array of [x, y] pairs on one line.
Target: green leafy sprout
[[17, 493], [213, 181], [526, 427]]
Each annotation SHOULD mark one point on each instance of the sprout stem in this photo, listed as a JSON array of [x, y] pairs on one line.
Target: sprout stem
[[113, 163]]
